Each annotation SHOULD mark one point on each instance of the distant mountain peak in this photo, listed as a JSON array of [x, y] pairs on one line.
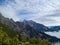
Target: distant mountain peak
[[54, 28]]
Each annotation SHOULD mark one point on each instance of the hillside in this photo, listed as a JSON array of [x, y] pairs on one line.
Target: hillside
[[10, 37], [11, 33]]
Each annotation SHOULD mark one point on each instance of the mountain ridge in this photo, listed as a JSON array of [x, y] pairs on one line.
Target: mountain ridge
[[24, 28], [54, 28]]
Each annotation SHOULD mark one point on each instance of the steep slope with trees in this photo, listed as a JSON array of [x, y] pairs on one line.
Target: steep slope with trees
[[10, 37]]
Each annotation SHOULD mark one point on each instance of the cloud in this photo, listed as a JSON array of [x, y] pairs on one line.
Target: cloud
[[55, 14], [9, 12], [25, 12], [41, 11], [56, 34]]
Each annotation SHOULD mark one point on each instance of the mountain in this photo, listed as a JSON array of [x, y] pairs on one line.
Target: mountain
[[13, 25], [54, 28], [36, 26], [32, 32], [28, 29]]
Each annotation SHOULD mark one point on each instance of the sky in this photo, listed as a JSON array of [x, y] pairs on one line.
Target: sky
[[46, 12]]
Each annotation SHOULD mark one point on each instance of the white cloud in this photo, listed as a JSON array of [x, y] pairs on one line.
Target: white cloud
[[56, 34], [37, 10]]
